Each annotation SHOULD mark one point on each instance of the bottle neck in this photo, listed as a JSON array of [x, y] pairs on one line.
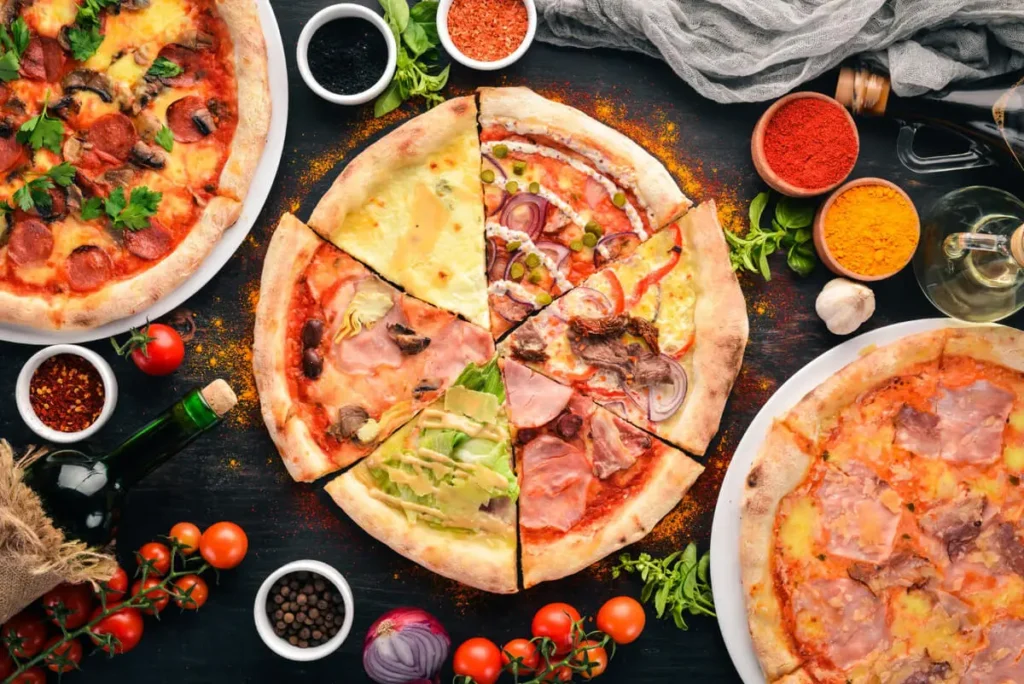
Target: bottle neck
[[152, 445]]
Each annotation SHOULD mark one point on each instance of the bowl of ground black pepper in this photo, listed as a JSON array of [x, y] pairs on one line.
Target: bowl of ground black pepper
[[66, 393], [346, 54], [486, 34], [304, 610]]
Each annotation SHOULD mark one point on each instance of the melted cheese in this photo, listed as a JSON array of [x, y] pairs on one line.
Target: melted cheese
[[1014, 458], [150, 28], [925, 627], [47, 18], [799, 529]]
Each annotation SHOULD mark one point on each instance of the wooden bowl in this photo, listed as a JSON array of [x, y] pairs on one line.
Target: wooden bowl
[[761, 161], [819, 231]]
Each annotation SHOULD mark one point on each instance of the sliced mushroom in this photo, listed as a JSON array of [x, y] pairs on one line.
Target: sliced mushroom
[[9, 11], [143, 93], [409, 343], [147, 155], [350, 419], [15, 105], [204, 121], [87, 79], [142, 56], [66, 106], [73, 149], [148, 125], [74, 197], [424, 387], [195, 40], [120, 176], [63, 39]]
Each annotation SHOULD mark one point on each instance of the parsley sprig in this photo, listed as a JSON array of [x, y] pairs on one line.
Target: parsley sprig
[[164, 138], [790, 230], [35, 193], [14, 42], [130, 213], [677, 583], [415, 33], [42, 130], [164, 68], [85, 37]]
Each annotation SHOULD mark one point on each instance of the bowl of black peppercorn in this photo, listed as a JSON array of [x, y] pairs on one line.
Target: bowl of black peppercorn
[[304, 610]]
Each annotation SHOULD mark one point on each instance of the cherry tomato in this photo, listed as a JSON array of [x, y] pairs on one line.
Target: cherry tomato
[[158, 597], [559, 674], [30, 628], [77, 600], [188, 536], [478, 658], [158, 555], [157, 349], [524, 651], [115, 587], [32, 675], [223, 545], [71, 650], [191, 593], [6, 664], [556, 621], [592, 653], [125, 625], [622, 618]]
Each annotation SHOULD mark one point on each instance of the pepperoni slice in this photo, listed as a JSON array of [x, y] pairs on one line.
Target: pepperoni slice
[[149, 244], [114, 135], [31, 242], [58, 205], [189, 60], [181, 119], [88, 267], [43, 60], [10, 153]]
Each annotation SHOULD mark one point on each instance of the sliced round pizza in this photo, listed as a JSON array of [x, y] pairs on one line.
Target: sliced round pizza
[[657, 336], [590, 483], [882, 535], [343, 359], [125, 149], [441, 490]]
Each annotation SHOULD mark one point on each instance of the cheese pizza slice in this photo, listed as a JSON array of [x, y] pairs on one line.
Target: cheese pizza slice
[[590, 482], [441, 490]]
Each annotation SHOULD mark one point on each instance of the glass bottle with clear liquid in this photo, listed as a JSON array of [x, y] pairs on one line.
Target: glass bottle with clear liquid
[[970, 262]]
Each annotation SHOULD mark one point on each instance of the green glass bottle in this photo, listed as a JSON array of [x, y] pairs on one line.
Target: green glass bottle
[[83, 493]]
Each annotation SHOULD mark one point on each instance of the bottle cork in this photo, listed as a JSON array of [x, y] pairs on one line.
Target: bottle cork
[[862, 92], [219, 396], [1017, 245]]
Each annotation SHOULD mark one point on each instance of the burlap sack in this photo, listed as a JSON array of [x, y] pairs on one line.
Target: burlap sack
[[34, 556]]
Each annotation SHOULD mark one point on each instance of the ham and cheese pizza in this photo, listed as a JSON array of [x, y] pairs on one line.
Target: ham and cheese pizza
[[882, 530], [129, 134]]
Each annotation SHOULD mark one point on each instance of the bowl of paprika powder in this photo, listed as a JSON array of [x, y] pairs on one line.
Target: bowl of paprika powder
[[805, 144]]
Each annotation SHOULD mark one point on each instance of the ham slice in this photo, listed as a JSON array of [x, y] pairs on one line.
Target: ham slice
[[918, 431], [556, 476], [533, 400], [971, 422], [862, 513], [1002, 661], [956, 524], [842, 616], [453, 347], [616, 444], [372, 348]]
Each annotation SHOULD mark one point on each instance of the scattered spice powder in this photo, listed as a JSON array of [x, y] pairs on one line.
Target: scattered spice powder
[[487, 30], [810, 143], [872, 230], [66, 392]]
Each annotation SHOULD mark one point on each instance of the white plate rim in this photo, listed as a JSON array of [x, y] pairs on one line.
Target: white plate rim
[[233, 237], [727, 585]]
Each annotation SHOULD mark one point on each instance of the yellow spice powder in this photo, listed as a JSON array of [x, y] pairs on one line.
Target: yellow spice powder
[[871, 230]]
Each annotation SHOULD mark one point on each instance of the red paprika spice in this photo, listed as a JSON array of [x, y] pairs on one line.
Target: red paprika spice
[[810, 143], [487, 30], [66, 392]]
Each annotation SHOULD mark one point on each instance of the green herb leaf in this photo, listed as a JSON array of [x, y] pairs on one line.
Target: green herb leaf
[[801, 259], [425, 12], [677, 583], [62, 174], [415, 38], [396, 14], [416, 35], [84, 41], [794, 214], [165, 139], [142, 204], [92, 208], [389, 100], [756, 209], [789, 230], [20, 33], [41, 131], [164, 68], [9, 66]]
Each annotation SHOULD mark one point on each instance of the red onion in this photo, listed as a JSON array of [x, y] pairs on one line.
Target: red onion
[[558, 253], [525, 212], [405, 646], [496, 271], [594, 304], [492, 253], [664, 400], [519, 256], [616, 244], [618, 407], [511, 309], [496, 165], [494, 199], [639, 399]]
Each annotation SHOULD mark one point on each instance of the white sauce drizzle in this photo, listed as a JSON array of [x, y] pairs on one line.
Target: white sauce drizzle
[[521, 294], [528, 247]]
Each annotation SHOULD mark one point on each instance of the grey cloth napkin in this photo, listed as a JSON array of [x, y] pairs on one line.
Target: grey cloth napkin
[[750, 50]]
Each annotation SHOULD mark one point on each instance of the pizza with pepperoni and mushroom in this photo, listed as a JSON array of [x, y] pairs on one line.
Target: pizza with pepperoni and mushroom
[[882, 534], [129, 134]]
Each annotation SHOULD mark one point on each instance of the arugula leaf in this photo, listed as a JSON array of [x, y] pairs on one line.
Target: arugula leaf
[[84, 41], [42, 130], [132, 213], [790, 230], [164, 68], [165, 139], [677, 583]]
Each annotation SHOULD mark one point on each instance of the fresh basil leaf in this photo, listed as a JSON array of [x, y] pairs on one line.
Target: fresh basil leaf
[[800, 261], [9, 66], [425, 12], [794, 214], [803, 235], [389, 100], [757, 208], [415, 38], [396, 13], [164, 68], [702, 567], [762, 266]]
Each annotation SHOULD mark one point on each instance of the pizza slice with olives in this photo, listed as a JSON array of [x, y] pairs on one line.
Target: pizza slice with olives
[[657, 337], [441, 490], [590, 483], [341, 358]]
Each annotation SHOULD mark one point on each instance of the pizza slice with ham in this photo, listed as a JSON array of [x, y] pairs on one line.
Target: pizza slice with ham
[[590, 483], [343, 359]]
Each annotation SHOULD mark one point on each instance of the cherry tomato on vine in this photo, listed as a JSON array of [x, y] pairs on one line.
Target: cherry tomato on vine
[[115, 587], [188, 536], [478, 658], [71, 650], [158, 555], [560, 674], [158, 597], [622, 618], [156, 349], [30, 628], [77, 600], [125, 625], [191, 593], [556, 621], [592, 653], [223, 545], [525, 651], [32, 675]]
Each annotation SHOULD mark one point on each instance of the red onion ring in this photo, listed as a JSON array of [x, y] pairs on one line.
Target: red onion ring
[[582, 291], [492, 253], [638, 399], [520, 255], [510, 308], [496, 165], [525, 212], [664, 400], [607, 240], [558, 253], [496, 271]]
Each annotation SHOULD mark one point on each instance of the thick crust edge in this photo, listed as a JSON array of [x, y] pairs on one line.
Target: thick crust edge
[[995, 344]]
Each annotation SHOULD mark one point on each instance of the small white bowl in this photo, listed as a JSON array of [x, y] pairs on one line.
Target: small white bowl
[[21, 393], [342, 11], [458, 56], [266, 629]]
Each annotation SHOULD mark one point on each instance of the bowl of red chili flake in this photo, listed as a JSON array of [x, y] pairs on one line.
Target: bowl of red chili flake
[[65, 393], [486, 34], [805, 144]]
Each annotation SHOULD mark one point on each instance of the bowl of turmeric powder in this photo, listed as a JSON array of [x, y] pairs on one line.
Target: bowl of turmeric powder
[[867, 230]]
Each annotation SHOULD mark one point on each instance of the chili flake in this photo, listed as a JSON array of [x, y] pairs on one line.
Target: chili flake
[[66, 393], [487, 30]]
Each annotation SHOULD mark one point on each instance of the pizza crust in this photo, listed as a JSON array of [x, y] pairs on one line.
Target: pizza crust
[[485, 563], [628, 163], [672, 475], [996, 344]]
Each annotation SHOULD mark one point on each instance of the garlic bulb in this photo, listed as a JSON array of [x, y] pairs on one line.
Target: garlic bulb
[[844, 305]]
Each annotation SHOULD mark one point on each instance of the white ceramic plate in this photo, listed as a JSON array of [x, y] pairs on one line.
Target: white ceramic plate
[[725, 530], [233, 237]]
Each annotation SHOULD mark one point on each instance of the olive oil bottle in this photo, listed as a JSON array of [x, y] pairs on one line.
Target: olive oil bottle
[[83, 493]]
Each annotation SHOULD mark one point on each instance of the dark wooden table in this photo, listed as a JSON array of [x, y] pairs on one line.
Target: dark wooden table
[[235, 474]]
